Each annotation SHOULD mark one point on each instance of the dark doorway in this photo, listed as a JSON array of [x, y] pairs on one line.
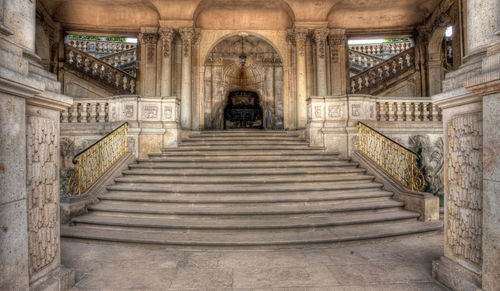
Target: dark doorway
[[243, 110]]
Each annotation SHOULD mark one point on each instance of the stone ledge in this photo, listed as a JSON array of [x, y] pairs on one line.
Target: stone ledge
[[424, 203], [75, 206]]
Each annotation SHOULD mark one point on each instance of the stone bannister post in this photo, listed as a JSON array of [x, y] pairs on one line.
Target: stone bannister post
[[187, 35]]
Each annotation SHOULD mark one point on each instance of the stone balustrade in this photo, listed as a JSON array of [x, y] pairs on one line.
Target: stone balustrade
[[103, 72], [87, 111], [100, 46], [382, 48], [377, 76], [406, 109], [364, 60], [121, 58]]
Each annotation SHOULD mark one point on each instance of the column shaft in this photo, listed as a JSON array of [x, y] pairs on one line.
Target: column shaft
[[166, 35], [187, 37], [320, 35], [300, 42]]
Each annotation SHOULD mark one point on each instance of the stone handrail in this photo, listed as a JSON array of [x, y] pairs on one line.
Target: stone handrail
[[378, 75], [120, 58], [363, 59], [100, 46], [382, 48], [406, 109], [99, 70]]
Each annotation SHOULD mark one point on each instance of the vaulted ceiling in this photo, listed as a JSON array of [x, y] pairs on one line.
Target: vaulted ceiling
[[123, 15]]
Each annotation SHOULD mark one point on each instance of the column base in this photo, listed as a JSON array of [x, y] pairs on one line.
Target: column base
[[59, 279], [454, 276]]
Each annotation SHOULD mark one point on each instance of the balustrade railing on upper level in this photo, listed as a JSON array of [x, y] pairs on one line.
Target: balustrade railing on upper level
[[94, 47], [386, 48], [378, 75], [120, 58], [103, 72], [363, 59]]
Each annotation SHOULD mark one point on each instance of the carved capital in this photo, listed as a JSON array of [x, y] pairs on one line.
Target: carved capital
[[320, 35], [148, 38], [300, 35], [337, 37], [166, 35], [187, 35]]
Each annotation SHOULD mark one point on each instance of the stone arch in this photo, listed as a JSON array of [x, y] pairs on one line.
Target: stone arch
[[262, 74], [435, 61]]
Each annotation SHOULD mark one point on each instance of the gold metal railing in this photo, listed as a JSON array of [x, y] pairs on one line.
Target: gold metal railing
[[393, 158], [94, 161]]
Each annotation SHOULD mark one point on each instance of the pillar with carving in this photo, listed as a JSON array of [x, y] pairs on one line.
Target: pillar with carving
[[338, 59], [300, 42], [166, 36], [147, 67], [187, 35], [320, 35]]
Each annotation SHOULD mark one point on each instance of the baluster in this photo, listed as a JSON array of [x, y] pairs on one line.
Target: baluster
[[73, 113], [386, 111], [377, 111], [100, 112], [394, 67], [64, 116], [400, 111], [109, 76], [86, 65], [132, 86], [393, 108], [83, 113], [92, 112], [117, 80], [435, 110], [78, 61], [106, 112], [418, 111], [408, 115]]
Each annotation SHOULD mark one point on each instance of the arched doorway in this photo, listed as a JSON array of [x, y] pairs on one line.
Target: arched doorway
[[243, 65]]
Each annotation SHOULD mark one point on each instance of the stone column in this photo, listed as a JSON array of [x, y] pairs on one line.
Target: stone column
[[166, 35], [470, 103], [147, 68], [300, 42], [338, 57], [320, 35], [187, 37]]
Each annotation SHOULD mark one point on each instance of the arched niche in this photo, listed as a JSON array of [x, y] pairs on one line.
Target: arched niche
[[262, 74]]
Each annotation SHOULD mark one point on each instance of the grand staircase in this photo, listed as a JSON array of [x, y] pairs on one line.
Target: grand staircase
[[244, 188]]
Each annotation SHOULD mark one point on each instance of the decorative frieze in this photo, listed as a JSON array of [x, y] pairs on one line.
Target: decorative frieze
[[43, 192], [464, 187]]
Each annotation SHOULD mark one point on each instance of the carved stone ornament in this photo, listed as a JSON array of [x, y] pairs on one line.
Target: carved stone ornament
[[148, 38], [166, 36], [431, 162], [187, 35], [320, 35], [150, 112], [300, 41], [464, 188], [43, 192], [334, 111]]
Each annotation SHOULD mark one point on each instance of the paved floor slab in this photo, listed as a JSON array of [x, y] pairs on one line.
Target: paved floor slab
[[402, 263]]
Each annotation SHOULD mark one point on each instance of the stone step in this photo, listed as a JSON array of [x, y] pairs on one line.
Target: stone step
[[256, 188], [238, 180], [254, 238], [243, 152], [299, 198], [243, 172], [243, 133], [129, 207], [239, 147], [242, 162], [239, 223], [250, 141]]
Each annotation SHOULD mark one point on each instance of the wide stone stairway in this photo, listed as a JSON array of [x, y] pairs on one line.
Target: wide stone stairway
[[244, 188]]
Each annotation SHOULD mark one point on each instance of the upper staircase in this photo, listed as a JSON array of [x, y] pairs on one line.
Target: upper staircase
[[244, 188]]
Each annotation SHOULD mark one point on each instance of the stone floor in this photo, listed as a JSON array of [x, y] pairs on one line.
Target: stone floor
[[393, 264]]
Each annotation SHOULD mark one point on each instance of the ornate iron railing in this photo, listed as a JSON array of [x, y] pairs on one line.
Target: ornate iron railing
[[396, 160], [94, 161]]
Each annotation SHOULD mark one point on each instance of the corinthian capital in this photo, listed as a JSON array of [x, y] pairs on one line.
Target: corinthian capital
[[337, 36], [320, 35], [187, 35], [166, 36], [300, 35], [148, 38]]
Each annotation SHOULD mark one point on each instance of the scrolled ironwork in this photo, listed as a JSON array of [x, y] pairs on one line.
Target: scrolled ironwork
[[94, 161], [396, 160]]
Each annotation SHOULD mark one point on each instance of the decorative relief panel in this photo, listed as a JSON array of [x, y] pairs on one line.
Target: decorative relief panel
[[167, 113], [356, 110], [43, 192], [464, 201], [334, 111], [129, 111], [150, 112], [317, 112]]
